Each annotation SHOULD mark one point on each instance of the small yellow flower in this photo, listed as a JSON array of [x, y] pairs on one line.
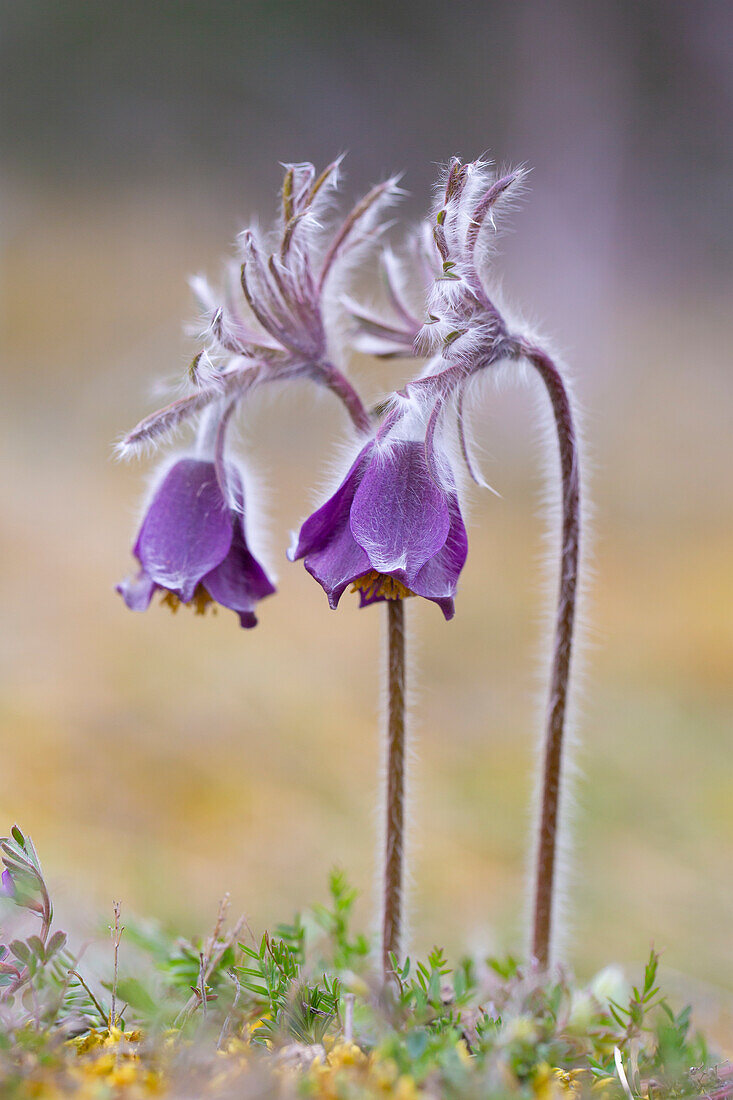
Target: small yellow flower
[[124, 1074], [250, 1029], [406, 1089], [542, 1084], [382, 1072], [85, 1043], [572, 1080], [346, 1054], [234, 1048]]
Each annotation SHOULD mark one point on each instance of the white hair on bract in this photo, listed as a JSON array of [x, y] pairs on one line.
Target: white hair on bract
[[364, 243]]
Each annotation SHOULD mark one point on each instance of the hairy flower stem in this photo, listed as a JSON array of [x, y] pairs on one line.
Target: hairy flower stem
[[342, 388], [557, 705], [395, 821]]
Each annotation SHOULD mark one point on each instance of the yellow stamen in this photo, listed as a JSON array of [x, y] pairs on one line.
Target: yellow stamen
[[374, 584], [171, 600], [199, 602]]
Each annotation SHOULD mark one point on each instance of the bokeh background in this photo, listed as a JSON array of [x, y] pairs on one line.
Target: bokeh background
[[165, 760]]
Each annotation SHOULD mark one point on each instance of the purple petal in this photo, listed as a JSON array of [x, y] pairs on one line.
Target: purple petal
[[187, 530], [8, 886], [331, 555], [137, 592], [446, 605], [337, 564], [319, 528], [400, 516], [239, 581], [438, 578]]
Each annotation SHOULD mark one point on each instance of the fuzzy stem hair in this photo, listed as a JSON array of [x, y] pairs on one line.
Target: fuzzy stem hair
[[562, 650], [339, 385], [394, 860]]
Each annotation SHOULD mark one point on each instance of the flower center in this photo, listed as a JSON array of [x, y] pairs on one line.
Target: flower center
[[199, 602], [374, 584]]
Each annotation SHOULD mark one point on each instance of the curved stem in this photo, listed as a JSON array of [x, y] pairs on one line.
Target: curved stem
[[339, 385], [394, 859], [563, 641]]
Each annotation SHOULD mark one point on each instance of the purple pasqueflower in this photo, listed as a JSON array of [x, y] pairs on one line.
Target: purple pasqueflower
[[193, 546], [390, 530], [271, 326], [7, 886]]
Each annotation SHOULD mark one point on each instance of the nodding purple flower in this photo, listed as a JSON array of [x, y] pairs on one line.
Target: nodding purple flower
[[192, 545], [465, 333], [269, 324], [390, 530], [7, 886]]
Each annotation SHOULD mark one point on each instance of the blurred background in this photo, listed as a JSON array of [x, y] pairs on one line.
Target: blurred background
[[165, 760]]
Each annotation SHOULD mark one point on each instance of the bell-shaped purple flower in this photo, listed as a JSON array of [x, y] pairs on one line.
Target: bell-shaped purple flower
[[192, 545], [390, 530]]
